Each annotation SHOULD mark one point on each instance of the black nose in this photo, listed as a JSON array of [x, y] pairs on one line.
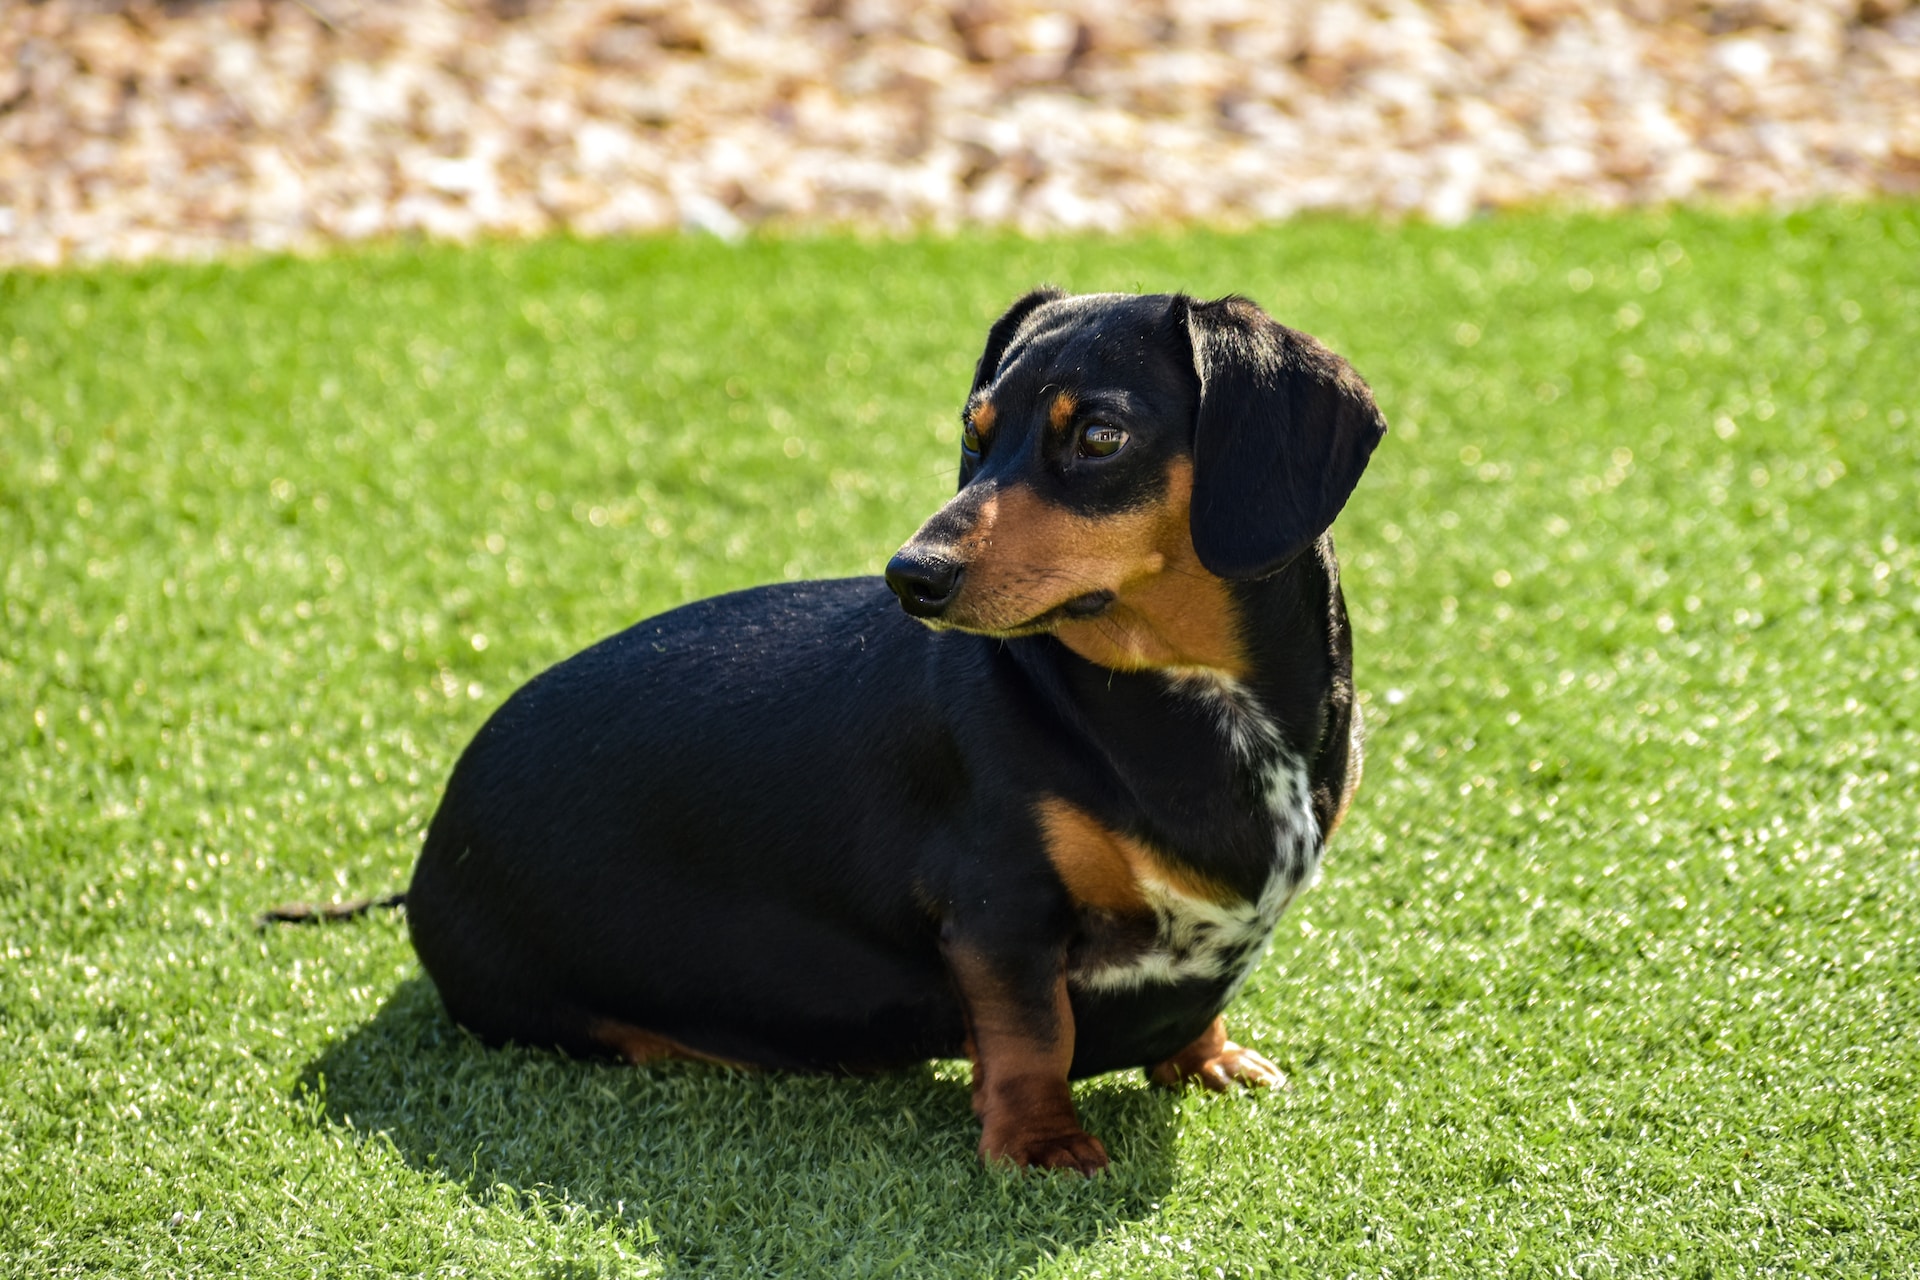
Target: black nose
[[924, 581]]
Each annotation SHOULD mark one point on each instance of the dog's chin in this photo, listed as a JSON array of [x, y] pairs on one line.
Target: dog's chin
[[1080, 608]]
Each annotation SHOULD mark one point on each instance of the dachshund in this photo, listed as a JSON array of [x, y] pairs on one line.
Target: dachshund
[[1036, 797]]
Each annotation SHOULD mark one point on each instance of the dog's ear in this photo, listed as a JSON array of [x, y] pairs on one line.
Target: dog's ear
[[1003, 330], [1283, 431]]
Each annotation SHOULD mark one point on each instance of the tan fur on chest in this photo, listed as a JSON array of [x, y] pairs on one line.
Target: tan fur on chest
[[1104, 869], [1183, 925]]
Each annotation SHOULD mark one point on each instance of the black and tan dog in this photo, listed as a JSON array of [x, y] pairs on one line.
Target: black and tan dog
[[1043, 808]]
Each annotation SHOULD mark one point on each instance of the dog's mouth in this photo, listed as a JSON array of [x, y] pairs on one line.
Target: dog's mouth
[[1089, 604]]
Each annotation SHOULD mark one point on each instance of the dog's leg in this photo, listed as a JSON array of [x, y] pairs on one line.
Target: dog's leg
[[1020, 1038], [1217, 1063]]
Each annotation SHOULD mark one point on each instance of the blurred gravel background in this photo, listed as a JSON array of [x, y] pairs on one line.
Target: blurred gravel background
[[137, 129]]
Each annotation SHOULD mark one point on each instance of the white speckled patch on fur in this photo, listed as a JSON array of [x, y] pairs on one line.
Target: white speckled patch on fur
[[1201, 939]]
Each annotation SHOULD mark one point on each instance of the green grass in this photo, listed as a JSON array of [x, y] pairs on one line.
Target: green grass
[[1614, 971]]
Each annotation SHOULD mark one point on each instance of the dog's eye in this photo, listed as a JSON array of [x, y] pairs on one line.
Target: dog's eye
[[1101, 440], [969, 436]]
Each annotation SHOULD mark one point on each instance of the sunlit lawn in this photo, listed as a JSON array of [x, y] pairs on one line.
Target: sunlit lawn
[[1615, 968]]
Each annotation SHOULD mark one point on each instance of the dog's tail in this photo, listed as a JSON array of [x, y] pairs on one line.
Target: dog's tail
[[310, 912]]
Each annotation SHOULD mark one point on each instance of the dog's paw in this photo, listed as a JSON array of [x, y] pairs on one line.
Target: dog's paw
[[1077, 1150], [1229, 1065]]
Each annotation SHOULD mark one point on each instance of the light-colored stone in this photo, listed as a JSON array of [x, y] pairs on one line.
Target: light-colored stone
[[132, 129]]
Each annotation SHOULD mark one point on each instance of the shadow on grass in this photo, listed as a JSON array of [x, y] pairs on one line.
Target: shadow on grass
[[738, 1173]]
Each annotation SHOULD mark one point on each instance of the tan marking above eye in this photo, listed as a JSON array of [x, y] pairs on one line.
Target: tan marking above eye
[[1064, 407], [982, 417]]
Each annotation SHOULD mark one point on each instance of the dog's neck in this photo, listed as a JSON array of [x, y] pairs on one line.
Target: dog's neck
[[1223, 766], [1281, 650], [1298, 653]]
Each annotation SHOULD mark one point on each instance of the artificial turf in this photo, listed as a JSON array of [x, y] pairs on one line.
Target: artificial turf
[[1615, 969]]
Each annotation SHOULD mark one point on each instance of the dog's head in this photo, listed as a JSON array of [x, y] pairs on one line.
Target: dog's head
[[1122, 460]]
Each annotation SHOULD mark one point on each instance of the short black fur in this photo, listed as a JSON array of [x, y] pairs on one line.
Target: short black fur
[[762, 824]]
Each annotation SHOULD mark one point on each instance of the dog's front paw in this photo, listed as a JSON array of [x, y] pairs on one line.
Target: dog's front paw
[[1076, 1149], [1219, 1066], [1237, 1065]]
